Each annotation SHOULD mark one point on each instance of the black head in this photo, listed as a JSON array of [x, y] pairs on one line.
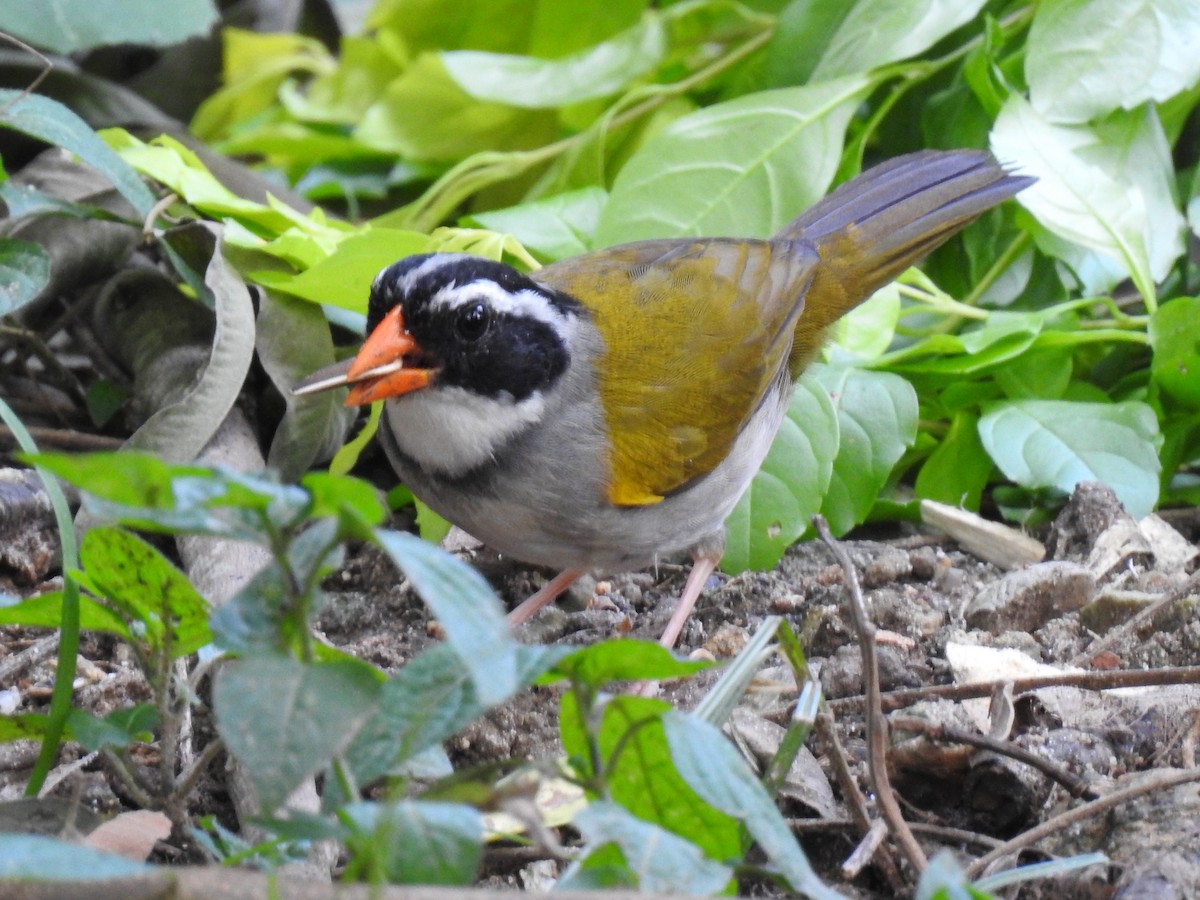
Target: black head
[[483, 325]]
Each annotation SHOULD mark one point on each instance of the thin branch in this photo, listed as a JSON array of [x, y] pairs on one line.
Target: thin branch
[[1157, 781], [876, 723]]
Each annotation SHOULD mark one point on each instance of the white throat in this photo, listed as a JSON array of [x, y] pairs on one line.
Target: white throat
[[449, 431]]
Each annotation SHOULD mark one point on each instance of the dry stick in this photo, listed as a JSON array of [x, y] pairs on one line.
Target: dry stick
[[64, 438], [859, 809], [1156, 782], [1093, 681], [1145, 617], [1074, 785], [944, 833], [876, 723]]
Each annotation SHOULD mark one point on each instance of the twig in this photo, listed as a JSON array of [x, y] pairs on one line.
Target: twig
[[942, 832], [1093, 681], [1145, 617], [1074, 785], [42, 648], [1158, 781], [876, 723], [65, 438]]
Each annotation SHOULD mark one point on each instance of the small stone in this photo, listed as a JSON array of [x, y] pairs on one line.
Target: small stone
[[1027, 599]]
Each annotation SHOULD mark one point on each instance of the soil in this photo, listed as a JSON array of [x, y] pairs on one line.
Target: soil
[[940, 611]]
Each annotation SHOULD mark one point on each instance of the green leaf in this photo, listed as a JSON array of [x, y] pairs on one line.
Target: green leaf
[[292, 340], [743, 168], [1108, 187], [344, 278], [642, 778], [50, 121], [873, 34], [790, 486], [1175, 338], [1086, 58], [34, 858], [467, 608], [425, 703], [662, 862], [1003, 337], [24, 272], [424, 115], [877, 421], [416, 842], [146, 588], [590, 74], [45, 611], [69, 26], [333, 493], [119, 728], [959, 467], [710, 766], [284, 720], [1057, 443], [1037, 374], [623, 659], [866, 331], [179, 431], [554, 228]]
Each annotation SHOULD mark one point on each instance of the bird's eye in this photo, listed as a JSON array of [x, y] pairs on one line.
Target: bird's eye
[[473, 321]]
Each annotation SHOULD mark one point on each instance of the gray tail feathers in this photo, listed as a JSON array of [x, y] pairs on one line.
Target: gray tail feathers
[[875, 226]]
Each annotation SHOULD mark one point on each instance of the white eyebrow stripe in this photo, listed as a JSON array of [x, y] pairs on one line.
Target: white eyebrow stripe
[[525, 303]]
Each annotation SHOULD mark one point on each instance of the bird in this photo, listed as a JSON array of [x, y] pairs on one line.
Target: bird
[[610, 409]]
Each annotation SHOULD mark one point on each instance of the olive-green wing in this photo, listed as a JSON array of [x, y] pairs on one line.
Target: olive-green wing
[[696, 331]]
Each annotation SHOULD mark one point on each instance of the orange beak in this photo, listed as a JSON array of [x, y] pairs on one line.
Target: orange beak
[[379, 371]]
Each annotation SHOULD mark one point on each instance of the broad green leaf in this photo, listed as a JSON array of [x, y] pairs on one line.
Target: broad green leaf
[[344, 278], [467, 608], [178, 432], [623, 659], [959, 467], [641, 776], [331, 494], [712, 767], [877, 32], [24, 272], [424, 115], [743, 168], [292, 340], [50, 121], [45, 611], [866, 331], [425, 703], [554, 228], [802, 33], [160, 603], [364, 69], [1108, 187], [1042, 374], [24, 726], [789, 487], [119, 728], [877, 421], [1058, 443], [171, 163], [254, 66], [1086, 58], [548, 28], [533, 83], [1175, 337], [415, 841], [662, 862], [284, 719], [34, 858], [1002, 337], [70, 26]]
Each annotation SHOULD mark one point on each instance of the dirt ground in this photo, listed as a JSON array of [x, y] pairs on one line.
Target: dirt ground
[[945, 616]]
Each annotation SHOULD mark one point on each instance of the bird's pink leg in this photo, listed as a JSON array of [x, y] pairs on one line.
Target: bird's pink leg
[[701, 569], [544, 597]]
